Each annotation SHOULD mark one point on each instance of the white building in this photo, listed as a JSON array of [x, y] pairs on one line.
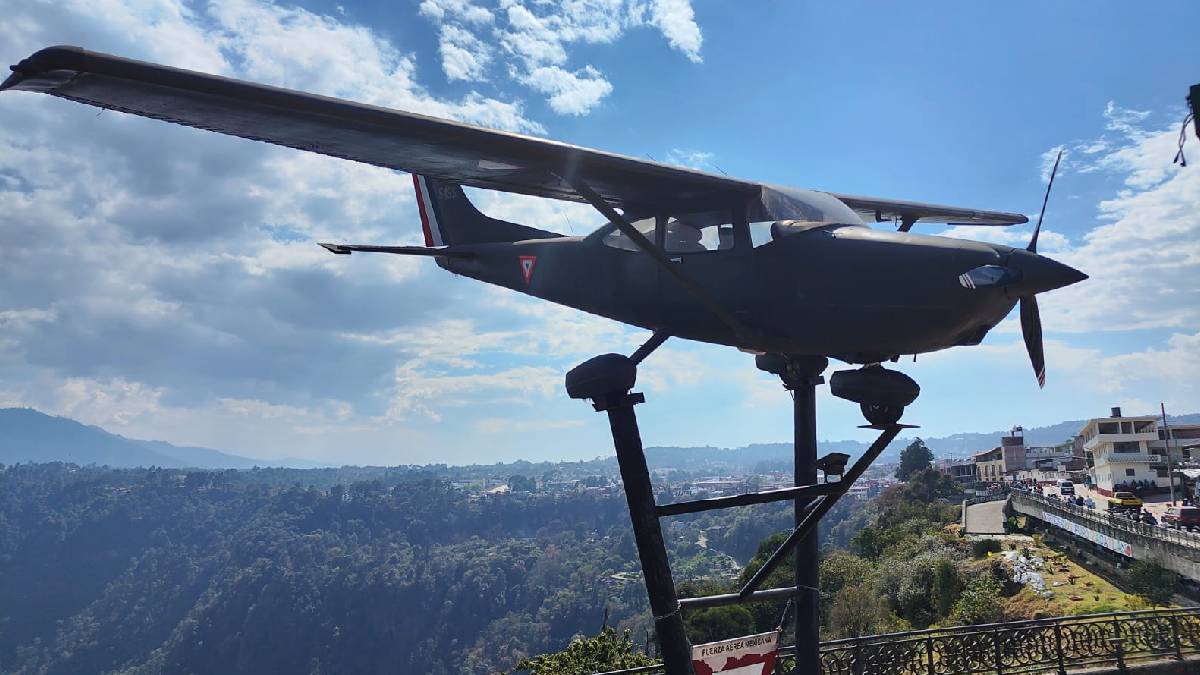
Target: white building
[[1128, 450]]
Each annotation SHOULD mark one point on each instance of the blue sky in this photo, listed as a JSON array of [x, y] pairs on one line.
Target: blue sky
[[162, 282]]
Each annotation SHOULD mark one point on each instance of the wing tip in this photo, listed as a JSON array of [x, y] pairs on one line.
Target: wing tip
[[335, 249], [55, 57]]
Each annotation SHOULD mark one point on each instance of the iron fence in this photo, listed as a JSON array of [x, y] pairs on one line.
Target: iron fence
[[1114, 520], [1037, 646]]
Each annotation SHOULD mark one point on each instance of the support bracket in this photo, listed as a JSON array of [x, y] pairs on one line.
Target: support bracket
[[819, 508]]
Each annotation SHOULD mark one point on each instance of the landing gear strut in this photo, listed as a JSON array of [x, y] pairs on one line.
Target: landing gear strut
[[880, 393], [881, 415]]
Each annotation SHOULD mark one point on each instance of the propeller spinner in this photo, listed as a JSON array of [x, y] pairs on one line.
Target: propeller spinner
[[1024, 275]]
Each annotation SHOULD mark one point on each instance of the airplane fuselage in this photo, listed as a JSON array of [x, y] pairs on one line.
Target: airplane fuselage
[[855, 293]]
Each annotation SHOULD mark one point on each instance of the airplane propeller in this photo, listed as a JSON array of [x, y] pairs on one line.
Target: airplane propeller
[[1031, 319], [1024, 275]]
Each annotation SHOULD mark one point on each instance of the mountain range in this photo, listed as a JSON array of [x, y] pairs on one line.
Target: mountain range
[[27, 435], [960, 445]]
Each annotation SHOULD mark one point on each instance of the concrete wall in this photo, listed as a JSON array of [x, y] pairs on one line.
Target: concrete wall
[[1145, 542]]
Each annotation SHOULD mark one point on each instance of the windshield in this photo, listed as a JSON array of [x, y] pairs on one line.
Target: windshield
[[617, 239], [773, 213], [805, 206]]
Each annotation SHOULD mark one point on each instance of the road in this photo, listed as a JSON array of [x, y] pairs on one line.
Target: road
[[1156, 504], [985, 518]]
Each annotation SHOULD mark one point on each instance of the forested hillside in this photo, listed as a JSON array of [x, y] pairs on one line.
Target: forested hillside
[[150, 571]]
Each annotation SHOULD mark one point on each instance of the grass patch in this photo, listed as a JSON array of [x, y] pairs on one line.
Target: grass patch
[[1075, 591]]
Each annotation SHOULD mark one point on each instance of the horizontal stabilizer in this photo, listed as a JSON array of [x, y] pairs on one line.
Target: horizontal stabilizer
[[347, 249]]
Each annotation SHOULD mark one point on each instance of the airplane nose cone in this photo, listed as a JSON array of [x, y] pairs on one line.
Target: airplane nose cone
[[1040, 274]]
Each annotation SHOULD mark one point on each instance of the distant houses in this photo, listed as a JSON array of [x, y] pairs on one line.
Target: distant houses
[[1110, 453]]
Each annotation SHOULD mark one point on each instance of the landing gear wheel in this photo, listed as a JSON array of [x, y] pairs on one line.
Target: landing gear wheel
[[881, 415]]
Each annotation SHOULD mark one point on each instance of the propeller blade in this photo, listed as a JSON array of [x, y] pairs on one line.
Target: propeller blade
[[1037, 230], [1031, 330]]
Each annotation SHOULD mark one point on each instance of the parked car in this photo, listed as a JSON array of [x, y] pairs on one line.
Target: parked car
[[1121, 501], [1180, 517], [1066, 487]]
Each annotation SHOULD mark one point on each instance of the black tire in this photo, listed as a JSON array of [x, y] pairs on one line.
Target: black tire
[[881, 415]]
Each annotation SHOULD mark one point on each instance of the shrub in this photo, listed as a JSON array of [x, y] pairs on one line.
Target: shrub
[[981, 547], [606, 651], [979, 603], [1150, 580]]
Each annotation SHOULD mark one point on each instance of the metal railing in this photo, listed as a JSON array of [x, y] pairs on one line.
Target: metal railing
[[1104, 517], [1041, 645]]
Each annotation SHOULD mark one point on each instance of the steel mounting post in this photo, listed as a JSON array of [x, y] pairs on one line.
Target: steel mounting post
[[607, 381], [800, 376]]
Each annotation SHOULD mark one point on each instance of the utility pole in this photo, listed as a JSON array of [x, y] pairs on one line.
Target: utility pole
[[1167, 441]]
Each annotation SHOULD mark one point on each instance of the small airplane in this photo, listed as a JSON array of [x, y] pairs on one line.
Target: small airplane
[[689, 254]]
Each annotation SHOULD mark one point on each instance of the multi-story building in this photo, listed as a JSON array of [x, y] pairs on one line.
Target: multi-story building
[[961, 470], [1003, 461], [1128, 451], [1012, 447], [989, 465]]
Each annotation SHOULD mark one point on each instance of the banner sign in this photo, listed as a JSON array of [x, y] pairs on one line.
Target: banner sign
[[751, 655], [1110, 543]]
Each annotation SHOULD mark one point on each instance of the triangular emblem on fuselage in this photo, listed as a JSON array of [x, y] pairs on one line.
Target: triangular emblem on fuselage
[[527, 264]]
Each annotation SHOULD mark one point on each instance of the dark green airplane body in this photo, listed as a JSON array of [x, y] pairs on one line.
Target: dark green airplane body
[[821, 284], [846, 291]]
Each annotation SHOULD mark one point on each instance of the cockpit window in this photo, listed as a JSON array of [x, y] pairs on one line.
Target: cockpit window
[[697, 234], [617, 239]]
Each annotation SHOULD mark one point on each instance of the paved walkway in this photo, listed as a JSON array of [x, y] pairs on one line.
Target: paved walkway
[[985, 518]]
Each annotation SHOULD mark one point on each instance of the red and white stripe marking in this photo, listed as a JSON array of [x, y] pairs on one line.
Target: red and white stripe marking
[[429, 221]]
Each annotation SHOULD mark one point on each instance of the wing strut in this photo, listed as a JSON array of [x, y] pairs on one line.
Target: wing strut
[[590, 196]]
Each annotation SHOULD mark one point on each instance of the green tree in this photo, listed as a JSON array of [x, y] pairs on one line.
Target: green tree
[[946, 587], [859, 610], [584, 656], [719, 623], [1152, 581], [979, 603], [914, 458], [520, 483]]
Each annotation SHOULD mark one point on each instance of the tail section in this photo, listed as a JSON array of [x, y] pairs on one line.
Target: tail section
[[448, 218]]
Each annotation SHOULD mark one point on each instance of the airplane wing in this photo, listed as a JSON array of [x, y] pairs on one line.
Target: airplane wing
[[874, 209], [452, 151]]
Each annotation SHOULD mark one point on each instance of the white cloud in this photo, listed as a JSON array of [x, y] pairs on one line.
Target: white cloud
[[1049, 158], [1049, 241], [570, 93], [693, 159], [464, 56], [535, 40], [292, 47], [112, 402], [1144, 257], [440, 10], [677, 22], [417, 391]]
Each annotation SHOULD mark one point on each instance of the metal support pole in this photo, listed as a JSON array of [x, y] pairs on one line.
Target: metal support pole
[[1167, 445], [668, 619], [801, 376]]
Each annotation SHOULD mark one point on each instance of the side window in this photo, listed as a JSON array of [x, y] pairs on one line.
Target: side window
[[617, 239], [698, 233], [760, 233]]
